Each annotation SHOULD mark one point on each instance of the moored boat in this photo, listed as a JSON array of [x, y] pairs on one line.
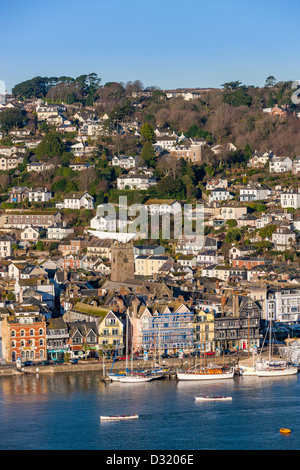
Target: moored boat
[[208, 373], [131, 378], [284, 431], [213, 398], [273, 369], [247, 371], [118, 417]]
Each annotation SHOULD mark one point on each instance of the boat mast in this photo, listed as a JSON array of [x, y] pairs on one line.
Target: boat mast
[[131, 354], [270, 340], [126, 343], [159, 345]]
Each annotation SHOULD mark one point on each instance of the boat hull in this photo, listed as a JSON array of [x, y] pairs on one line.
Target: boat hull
[[248, 371], [117, 418], [277, 372], [185, 376], [213, 399], [131, 378]]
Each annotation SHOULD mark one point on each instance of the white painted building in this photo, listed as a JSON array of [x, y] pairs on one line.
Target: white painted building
[[39, 195], [280, 164], [135, 182], [283, 304], [123, 161], [252, 192], [290, 199], [218, 195], [283, 239], [74, 200]]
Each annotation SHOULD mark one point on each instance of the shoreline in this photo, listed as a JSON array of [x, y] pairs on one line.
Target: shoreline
[[84, 366]]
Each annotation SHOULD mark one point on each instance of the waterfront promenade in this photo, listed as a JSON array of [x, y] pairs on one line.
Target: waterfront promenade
[[170, 365]]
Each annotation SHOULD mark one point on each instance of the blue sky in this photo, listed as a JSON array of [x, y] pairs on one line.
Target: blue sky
[[166, 43]]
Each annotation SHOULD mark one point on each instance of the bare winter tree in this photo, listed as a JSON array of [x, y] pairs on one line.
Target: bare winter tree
[[169, 165]]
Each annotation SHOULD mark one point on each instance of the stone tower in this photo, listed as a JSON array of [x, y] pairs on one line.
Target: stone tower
[[122, 261]]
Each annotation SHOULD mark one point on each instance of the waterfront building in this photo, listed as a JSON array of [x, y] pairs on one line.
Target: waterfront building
[[283, 304], [239, 327], [111, 332], [169, 329], [204, 330], [24, 335], [83, 338], [57, 338]]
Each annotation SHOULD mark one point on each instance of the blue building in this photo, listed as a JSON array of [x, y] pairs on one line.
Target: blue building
[[169, 329]]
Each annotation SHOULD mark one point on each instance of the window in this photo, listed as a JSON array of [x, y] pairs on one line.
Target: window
[[41, 331], [22, 332], [31, 332]]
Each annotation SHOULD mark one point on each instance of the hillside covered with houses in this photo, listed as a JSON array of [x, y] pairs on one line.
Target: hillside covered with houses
[[70, 147]]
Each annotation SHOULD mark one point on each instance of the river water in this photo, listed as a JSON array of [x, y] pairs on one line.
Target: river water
[[62, 412]]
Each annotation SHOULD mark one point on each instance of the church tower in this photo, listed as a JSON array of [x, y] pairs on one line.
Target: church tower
[[122, 261]]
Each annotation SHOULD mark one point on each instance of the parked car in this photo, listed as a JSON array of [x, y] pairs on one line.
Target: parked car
[[210, 353], [165, 356], [123, 358], [74, 361], [28, 363]]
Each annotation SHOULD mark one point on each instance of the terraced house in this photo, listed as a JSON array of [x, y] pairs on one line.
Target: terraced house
[[83, 338], [169, 329], [204, 330], [112, 331]]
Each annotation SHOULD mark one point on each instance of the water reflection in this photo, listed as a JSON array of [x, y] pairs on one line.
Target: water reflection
[[62, 411]]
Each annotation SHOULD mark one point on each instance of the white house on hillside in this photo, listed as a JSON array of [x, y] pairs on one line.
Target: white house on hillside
[[75, 200]]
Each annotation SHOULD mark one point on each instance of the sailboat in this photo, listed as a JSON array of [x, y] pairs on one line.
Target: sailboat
[[269, 368], [130, 376], [210, 372], [206, 373]]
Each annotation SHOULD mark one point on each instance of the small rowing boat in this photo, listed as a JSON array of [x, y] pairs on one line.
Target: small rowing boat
[[213, 398], [118, 417]]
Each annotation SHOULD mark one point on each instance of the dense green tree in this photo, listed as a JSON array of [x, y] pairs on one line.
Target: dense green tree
[[247, 152], [51, 146], [148, 154], [10, 118], [237, 97], [36, 87], [147, 133], [233, 235]]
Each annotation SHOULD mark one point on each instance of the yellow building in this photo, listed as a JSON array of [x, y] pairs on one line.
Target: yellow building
[[111, 332], [204, 330], [148, 265]]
